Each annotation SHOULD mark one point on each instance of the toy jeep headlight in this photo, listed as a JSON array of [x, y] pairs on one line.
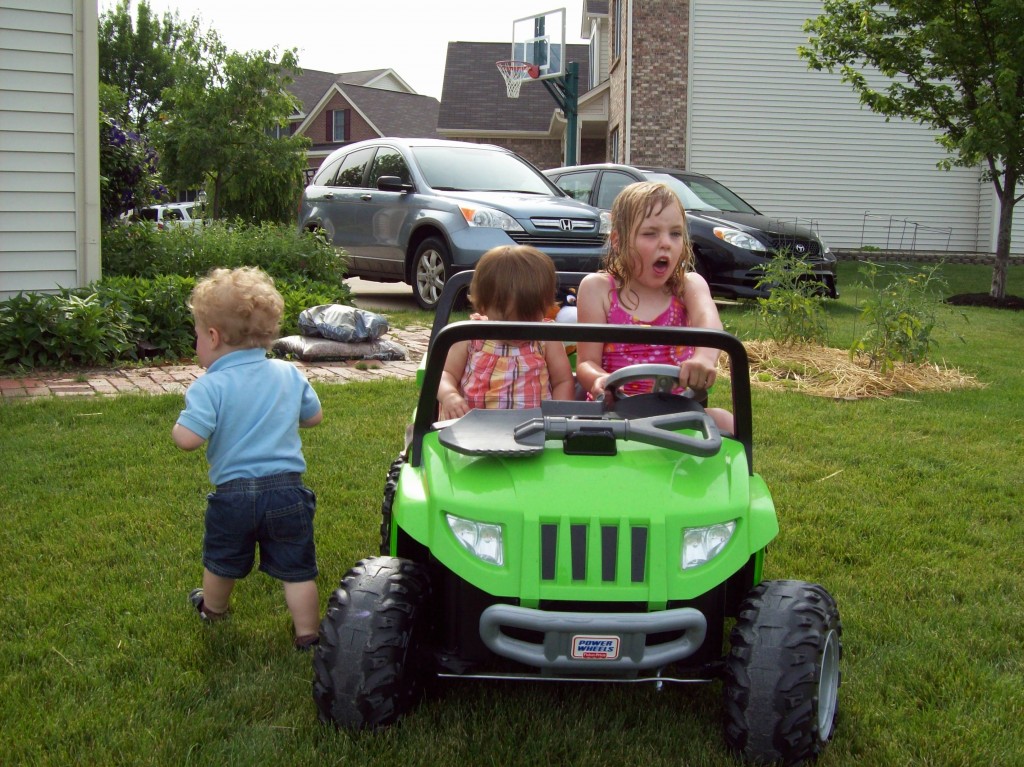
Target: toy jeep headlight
[[701, 544], [482, 539]]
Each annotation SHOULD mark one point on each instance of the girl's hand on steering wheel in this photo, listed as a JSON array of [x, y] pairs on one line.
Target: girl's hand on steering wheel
[[696, 374]]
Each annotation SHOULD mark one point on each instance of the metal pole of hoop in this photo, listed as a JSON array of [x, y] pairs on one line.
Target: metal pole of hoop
[[564, 90]]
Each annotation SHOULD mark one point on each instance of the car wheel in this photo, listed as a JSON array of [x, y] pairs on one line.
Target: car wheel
[[430, 269], [368, 666], [782, 673]]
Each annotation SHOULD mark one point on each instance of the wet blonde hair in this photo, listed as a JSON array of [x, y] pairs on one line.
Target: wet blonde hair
[[632, 205], [242, 304], [517, 280]]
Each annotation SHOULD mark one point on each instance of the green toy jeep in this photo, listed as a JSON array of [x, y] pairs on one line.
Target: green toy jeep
[[583, 541]]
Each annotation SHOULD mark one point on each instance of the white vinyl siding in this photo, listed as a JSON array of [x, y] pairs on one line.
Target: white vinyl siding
[[48, 145], [797, 145]]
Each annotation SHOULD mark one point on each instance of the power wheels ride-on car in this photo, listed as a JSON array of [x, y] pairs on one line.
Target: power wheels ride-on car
[[582, 541]]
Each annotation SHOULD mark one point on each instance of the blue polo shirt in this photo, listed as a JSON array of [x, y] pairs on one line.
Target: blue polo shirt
[[248, 409]]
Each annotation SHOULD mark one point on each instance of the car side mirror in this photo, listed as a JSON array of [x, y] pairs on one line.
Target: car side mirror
[[393, 184]]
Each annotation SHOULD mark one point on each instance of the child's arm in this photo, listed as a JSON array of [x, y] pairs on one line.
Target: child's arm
[[701, 370], [313, 420], [563, 385], [450, 401], [184, 438], [592, 305]]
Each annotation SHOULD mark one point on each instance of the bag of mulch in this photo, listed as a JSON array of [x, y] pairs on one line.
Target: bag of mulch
[[342, 323], [313, 349]]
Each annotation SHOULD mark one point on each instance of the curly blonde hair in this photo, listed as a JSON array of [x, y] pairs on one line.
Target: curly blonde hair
[[242, 304], [632, 205]]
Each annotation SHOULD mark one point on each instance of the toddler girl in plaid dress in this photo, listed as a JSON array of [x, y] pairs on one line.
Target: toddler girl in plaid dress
[[511, 284]]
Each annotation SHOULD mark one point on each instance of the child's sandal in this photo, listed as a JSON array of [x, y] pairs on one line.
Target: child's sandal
[[307, 642], [195, 598]]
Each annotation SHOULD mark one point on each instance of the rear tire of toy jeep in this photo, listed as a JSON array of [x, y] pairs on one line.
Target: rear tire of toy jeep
[[368, 667], [390, 488], [782, 674]]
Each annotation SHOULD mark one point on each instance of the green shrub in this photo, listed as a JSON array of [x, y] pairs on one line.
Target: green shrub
[[71, 328], [795, 309], [160, 313], [120, 319], [140, 250], [901, 313]]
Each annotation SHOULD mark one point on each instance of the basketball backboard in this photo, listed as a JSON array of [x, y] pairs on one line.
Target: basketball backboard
[[540, 40]]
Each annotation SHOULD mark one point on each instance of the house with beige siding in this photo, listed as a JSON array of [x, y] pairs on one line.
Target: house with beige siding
[[717, 87], [49, 145]]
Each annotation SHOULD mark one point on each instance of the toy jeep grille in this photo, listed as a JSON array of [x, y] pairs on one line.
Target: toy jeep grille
[[606, 559]]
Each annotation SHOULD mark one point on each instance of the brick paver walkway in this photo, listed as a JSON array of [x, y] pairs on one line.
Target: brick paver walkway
[[176, 378]]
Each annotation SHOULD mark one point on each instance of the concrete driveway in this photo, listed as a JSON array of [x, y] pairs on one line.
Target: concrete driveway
[[382, 296]]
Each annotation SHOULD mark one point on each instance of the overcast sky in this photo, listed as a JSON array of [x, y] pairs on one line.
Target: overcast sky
[[408, 36]]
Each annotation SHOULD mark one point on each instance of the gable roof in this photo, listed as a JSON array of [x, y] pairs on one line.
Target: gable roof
[[389, 113], [394, 113], [473, 97], [310, 86]]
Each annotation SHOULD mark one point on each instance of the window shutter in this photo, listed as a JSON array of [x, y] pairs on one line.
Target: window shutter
[[330, 125], [348, 124]]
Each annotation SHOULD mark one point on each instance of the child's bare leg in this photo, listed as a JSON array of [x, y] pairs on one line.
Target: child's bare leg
[[723, 420], [304, 604], [216, 591]]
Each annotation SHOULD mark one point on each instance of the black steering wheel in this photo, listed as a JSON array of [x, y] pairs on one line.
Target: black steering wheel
[[664, 378]]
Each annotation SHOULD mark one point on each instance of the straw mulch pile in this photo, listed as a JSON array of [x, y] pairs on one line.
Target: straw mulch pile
[[824, 372]]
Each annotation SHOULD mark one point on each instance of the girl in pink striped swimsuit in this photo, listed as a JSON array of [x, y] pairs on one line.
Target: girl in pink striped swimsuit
[[647, 281], [516, 284]]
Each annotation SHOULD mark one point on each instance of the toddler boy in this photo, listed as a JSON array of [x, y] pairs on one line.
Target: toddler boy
[[248, 409]]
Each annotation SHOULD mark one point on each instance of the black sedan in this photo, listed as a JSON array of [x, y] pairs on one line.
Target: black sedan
[[731, 239]]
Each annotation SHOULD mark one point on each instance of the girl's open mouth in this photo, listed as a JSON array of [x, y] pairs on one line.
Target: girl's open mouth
[[661, 266]]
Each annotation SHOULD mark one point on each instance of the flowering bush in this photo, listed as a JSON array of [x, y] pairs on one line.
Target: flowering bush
[[129, 175]]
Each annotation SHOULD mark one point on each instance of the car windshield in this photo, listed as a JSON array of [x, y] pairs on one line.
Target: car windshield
[[458, 169], [686, 195], [711, 195]]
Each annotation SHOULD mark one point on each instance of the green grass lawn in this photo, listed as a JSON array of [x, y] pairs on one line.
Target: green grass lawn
[[908, 509]]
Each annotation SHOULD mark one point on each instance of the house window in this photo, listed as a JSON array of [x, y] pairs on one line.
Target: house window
[[280, 131], [613, 145], [594, 58], [338, 125], [617, 31]]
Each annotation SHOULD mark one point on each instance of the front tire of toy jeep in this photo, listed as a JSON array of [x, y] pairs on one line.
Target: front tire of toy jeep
[[368, 667], [782, 673]]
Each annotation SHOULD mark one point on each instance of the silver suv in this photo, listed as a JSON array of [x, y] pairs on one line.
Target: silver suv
[[419, 210]]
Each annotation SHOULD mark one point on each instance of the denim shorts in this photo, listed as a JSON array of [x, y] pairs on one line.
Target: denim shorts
[[274, 513]]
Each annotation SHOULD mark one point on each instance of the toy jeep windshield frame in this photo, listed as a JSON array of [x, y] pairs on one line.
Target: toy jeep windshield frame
[[443, 336]]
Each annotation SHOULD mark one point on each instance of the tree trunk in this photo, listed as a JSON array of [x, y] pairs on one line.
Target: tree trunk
[[1006, 201]]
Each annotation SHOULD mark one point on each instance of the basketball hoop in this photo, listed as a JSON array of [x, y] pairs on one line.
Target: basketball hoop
[[514, 73]]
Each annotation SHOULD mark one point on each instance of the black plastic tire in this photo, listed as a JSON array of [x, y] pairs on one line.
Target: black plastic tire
[[368, 667], [390, 486], [782, 674], [431, 268]]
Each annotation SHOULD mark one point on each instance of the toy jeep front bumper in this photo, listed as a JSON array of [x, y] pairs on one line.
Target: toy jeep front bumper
[[592, 643]]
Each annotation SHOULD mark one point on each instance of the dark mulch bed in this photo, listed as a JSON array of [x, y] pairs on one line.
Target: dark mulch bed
[[1016, 303]]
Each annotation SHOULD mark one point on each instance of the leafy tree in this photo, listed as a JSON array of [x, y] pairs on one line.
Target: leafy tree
[[137, 56], [216, 129], [954, 65]]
